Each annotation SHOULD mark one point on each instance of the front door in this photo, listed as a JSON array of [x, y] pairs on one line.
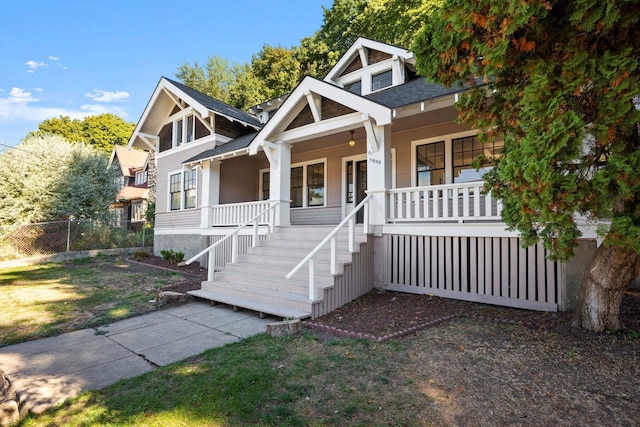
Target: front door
[[360, 179]]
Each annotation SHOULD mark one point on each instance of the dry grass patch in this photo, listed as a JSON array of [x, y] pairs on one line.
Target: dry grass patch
[[48, 299]]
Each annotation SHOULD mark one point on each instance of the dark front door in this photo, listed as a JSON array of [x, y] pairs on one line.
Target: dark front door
[[360, 187]]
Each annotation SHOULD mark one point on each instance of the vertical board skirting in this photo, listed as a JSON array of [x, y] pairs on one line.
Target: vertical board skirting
[[493, 270], [223, 252], [355, 281]]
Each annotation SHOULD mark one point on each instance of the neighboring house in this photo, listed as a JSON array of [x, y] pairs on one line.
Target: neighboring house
[[372, 142], [133, 170]]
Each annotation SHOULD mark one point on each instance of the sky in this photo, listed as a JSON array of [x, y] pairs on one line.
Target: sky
[[83, 57]]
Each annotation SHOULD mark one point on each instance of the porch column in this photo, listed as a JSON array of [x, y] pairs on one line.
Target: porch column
[[210, 191], [279, 155], [378, 170]]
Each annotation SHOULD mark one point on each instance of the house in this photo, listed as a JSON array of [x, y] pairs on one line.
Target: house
[[133, 169], [362, 179]]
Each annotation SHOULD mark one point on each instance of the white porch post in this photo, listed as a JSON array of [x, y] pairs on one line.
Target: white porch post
[[378, 170], [279, 156], [210, 191]]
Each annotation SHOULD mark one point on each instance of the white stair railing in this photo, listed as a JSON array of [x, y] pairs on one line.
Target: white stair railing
[[254, 221], [331, 237]]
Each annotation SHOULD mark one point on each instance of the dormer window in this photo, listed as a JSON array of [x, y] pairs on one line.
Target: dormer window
[[355, 87], [382, 80], [184, 130]]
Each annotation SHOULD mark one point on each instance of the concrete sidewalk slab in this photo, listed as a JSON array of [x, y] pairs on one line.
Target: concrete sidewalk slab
[[49, 370]]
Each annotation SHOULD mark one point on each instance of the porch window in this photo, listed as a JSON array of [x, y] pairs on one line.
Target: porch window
[[190, 180], [307, 187], [465, 151], [175, 189], [315, 184], [382, 80], [137, 211], [430, 163], [297, 185]]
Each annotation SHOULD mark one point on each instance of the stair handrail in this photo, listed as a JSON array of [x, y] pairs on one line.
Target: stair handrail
[[234, 234], [350, 218]]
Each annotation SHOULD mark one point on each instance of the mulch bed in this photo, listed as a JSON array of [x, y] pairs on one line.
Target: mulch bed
[[382, 315]]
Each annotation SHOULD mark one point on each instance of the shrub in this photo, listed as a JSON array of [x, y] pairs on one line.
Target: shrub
[[172, 256], [139, 255]]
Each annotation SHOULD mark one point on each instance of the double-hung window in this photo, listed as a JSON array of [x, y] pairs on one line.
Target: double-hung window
[[175, 191], [307, 186], [183, 189], [190, 182], [430, 164], [465, 151]]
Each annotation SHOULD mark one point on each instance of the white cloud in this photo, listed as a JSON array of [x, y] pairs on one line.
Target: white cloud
[[19, 105], [107, 96], [20, 96], [33, 65], [53, 58]]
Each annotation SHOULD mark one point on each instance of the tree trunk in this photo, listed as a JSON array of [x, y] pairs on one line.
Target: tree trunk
[[611, 271]]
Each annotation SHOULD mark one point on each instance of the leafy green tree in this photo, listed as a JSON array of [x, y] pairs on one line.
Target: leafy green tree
[[562, 78], [216, 79], [101, 131], [277, 68], [46, 177]]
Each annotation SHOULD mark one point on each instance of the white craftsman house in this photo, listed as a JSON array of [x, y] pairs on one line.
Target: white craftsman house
[[360, 180]]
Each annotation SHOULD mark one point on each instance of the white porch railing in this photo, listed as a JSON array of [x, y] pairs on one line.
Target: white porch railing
[[238, 213], [449, 202], [267, 213], [310, 258]]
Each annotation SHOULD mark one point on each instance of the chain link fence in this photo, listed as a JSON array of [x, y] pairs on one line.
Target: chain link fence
[[46, 238]]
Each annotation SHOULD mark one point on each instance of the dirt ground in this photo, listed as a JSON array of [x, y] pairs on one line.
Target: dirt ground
[[493, 366]]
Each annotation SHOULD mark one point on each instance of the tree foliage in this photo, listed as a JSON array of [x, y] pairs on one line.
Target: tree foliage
[[101, 131], [276, 70], [563, 78], [47, 178]]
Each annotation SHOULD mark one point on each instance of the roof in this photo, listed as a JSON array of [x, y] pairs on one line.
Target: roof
[[132, 193], [413, 91], [215, 104], [129, 159], [237, 144]]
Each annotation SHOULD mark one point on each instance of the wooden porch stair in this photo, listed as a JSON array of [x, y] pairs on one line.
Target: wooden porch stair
[[257, 280]]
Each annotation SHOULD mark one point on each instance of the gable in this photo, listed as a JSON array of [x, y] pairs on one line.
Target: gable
[[329, 109], [373, 57]]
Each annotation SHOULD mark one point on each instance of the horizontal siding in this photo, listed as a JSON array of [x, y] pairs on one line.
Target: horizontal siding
[[316, 216], [178, 219]]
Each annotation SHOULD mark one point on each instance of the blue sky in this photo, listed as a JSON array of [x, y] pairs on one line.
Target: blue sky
[[82, 57]]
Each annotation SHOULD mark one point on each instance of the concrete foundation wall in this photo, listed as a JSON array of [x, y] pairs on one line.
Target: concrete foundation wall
[[190, 244]]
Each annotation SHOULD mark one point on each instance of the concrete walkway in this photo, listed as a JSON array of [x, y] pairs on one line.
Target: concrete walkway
[[50, 370]]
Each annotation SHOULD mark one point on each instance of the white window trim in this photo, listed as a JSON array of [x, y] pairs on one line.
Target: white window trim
[[305, 189], [448, 153], [141, 173], [195, 204], [182, 198]]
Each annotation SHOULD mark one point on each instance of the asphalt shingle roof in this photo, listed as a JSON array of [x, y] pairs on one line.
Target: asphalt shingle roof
[[216, 105], [413, 91], [237, 144]]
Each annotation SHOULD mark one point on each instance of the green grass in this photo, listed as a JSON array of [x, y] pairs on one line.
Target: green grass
[[48, 299], [291, 381]]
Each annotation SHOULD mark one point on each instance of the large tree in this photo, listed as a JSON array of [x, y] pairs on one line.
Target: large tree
[[561, 79], [47, 178], [102, 131]]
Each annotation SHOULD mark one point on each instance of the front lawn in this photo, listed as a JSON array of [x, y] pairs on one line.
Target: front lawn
[[48, 299]]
